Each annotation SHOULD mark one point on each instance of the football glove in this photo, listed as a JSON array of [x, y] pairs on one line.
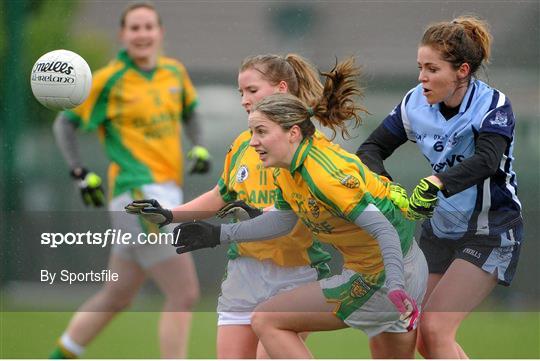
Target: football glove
[[240, 210], [406, 306], [150, 210], [423, 200], [191, 236], [398, 196], [200, 158], [89, 183]]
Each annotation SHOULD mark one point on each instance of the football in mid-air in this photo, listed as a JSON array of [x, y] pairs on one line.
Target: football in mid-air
[[61, 79]]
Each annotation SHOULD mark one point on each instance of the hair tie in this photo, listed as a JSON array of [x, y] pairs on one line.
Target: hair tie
[[310, 112]]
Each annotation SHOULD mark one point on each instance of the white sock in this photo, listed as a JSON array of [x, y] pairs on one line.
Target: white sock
[[70, 345]]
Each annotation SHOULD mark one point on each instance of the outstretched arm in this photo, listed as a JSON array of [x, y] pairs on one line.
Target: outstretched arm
[[377, 147], [269, 225], [191, 236], [204, 206]]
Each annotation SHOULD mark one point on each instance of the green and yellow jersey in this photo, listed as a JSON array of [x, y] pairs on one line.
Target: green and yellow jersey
[[328, 188], [245, 178], [138, 115]]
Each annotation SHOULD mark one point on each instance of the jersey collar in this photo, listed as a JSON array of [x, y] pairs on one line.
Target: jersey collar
[[301, 153], [467, 99], [126, 59]]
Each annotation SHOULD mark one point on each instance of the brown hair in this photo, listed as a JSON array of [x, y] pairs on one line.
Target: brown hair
[[301, 77], [465, 39], [135, 6], [335, 106]]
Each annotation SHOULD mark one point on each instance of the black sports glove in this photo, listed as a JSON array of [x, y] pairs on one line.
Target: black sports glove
[[151, 210], [191, 236], [423, 200], [200, 157], [89, 183], [239, 210]]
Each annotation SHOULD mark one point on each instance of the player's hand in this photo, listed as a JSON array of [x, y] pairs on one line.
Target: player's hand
[[398, 196], [406, 306], [89, 183], [191, 236], [150, 210], [239, 210], [200, 158], [423, 200]]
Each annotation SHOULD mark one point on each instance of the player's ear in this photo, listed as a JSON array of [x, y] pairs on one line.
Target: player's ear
[[464, 71], [282, 87], [295, 134]]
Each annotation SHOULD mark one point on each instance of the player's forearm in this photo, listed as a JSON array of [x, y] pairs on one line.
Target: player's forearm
[[202, 207], [192, 128], [376, 148], [376, 224], [269, 225], [483, 164], [65, 134]]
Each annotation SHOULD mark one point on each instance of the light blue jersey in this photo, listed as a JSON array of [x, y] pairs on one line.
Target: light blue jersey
[[488, 208]]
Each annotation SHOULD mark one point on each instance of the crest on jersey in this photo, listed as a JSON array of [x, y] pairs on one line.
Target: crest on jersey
[[350, 182], [501, 119], [242, 173], [359, 288], [313, 208]]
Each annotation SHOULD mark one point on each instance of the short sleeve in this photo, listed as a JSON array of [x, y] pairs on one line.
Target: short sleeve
[[500, 119]]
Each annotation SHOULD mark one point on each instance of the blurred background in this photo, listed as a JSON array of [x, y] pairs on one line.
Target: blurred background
[[211, 38]]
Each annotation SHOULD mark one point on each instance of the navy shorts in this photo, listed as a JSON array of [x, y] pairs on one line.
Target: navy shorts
[[499, 253]]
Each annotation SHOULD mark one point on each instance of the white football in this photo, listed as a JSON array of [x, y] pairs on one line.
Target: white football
[[61, 79]]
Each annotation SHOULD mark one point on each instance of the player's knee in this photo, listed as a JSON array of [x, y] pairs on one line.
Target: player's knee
[[261, 322], [433, 331], [115, 300], [183, 299]]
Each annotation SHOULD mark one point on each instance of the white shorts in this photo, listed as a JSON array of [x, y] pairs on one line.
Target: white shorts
[[146, 255], [367, 307], [249, 282]]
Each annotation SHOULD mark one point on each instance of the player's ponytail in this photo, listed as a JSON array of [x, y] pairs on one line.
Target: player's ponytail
[[333, 109], [338, 102], [465, 39], [309, 88]]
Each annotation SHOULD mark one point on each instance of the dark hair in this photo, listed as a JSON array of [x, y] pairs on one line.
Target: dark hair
[[301, 77], [465, 39], [335, 106], [135, 6]]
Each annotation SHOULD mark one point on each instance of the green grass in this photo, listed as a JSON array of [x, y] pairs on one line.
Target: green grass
[[133, 335]]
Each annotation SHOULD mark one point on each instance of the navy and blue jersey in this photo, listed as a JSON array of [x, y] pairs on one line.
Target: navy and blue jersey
[[488, 208]]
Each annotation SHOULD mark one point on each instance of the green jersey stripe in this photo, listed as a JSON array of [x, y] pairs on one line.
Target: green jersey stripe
[[354, 160], [322, 158], [136, 173], [319, 194]]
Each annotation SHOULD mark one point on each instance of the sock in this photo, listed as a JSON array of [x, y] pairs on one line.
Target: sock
[[66, 349]]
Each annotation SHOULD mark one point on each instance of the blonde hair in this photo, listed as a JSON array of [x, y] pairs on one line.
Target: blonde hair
[[301, 76], [465, 39], [334, 107]]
